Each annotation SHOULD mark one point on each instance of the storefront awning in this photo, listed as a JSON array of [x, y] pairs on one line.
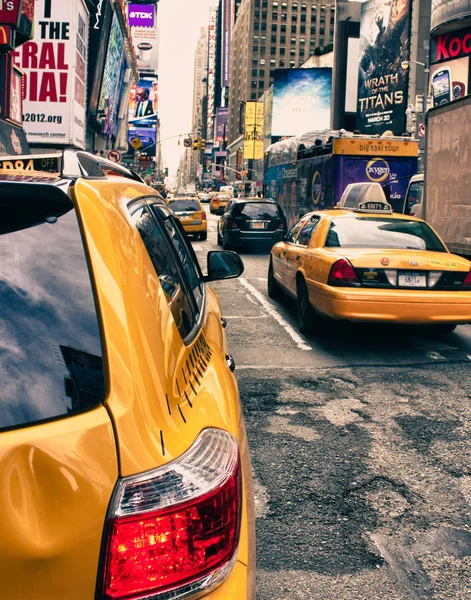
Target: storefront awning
[[12, 140]]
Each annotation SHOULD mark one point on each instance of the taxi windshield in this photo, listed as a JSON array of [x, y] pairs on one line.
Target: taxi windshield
[[186, 204], [378, 232]]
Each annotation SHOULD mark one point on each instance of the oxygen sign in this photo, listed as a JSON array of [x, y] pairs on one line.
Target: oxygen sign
[[377, 170]]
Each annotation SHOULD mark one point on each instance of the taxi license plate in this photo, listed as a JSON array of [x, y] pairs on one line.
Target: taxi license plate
[[258, 225], [412, 280]]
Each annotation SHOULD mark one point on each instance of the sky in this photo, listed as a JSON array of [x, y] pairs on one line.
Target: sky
[[179, 22]]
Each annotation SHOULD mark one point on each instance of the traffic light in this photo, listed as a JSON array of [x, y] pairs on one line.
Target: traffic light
[[195, 144], [202, 143]]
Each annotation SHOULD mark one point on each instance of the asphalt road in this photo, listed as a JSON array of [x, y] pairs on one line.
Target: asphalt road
[[361, 449]]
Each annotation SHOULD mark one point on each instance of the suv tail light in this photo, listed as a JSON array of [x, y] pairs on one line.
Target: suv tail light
[[342, 273], [174, 531], [204, 216], [467, 280], [232, 225]]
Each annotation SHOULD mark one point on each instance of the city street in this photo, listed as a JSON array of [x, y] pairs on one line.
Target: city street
[[360, 441]]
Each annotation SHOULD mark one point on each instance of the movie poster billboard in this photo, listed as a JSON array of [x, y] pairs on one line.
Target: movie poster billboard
[[55, 73], [253, 130], [449, 71], [301, 101], [382, 85]]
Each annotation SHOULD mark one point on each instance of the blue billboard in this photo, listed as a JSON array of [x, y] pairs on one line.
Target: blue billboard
[[301, 101]]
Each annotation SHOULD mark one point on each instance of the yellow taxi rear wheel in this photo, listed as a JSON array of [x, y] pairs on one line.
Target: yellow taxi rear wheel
[[203, 236], [305, 312]]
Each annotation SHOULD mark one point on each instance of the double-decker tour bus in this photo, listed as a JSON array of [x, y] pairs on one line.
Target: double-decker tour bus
[[310, 172]]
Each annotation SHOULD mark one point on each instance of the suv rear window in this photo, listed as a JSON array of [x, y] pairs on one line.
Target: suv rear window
[[371, 232], [51, 359], [182, 205], [257, 210]]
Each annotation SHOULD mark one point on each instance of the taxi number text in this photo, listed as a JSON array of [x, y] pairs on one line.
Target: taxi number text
[[412, 280]]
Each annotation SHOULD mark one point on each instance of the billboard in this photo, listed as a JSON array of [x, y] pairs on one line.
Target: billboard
[[211, 72], [144, 103], [113, 76], [227, 22], [253, 131], [382, 82], [147, 137], [55, 73], [220, 132], [301, 100], [145, 38], [449, 71]]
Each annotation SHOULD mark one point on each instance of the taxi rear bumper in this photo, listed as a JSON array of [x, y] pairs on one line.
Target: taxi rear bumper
[[201, 228], [425, 307]]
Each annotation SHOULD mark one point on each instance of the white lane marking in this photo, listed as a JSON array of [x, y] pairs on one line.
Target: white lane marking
[[247, 317], [298, 340]]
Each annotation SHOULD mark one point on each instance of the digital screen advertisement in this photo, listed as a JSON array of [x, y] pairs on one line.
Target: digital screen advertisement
[[144, 103], [301, 101], [449, 71], [147, 137], [382, 84]]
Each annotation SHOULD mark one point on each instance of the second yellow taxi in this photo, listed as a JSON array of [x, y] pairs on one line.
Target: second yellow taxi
[[361, 262], [191, 215]]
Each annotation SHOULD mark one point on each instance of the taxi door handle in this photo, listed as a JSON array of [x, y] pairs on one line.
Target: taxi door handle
[[284, 252]]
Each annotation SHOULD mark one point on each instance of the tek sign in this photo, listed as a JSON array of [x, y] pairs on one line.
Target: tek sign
[[141, 15]]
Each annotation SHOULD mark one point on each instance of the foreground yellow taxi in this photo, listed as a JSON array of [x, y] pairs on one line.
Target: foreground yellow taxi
[[191, 215], [361, 262], [124, 465]]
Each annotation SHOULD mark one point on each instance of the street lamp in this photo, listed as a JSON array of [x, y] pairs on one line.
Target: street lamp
[[405, 65]]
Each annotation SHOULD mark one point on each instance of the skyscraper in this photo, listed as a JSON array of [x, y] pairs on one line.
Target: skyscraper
[[268, 35]]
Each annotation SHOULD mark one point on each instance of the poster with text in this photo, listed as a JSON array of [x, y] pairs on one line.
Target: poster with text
[[144, 103], [253, 131], [382, 84], [55, 68], [301, 100]]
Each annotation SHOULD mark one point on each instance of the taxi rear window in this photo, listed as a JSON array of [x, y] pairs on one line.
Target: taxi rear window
[[181, 205], [377, 232], [50, 350], [257, 210]]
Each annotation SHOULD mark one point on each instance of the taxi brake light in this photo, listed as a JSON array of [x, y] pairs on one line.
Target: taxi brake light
[[176, 529], [204, 216], [342, 273], [467, 281]]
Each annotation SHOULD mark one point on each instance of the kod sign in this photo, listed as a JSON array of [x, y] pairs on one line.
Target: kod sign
[[450, 46], [141, 15]]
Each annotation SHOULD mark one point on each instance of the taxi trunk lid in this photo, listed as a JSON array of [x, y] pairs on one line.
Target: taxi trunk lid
[[386, 268]]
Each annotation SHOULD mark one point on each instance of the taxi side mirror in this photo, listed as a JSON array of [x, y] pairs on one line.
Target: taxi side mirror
[[223, 264]]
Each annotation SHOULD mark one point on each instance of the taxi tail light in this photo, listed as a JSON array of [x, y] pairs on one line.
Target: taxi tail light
[[342, 273], [204, 216], [174, 532], [283, 225], [467, 280]]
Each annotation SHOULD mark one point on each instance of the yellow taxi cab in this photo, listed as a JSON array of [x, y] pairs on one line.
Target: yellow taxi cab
[[191, 215], [361, 262], [219, 202], [124, 465]]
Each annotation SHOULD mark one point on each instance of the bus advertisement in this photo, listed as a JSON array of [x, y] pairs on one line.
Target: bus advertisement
[[311, 172]]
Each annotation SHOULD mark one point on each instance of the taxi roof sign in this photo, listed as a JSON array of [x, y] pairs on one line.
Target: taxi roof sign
[[364, 197]]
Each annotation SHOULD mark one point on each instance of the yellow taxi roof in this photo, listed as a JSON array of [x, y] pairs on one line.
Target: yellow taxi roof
[[336, 213]]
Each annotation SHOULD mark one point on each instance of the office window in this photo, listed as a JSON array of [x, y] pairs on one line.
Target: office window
[[303, 18], [313, 31], [282, 28], [284, 5], [274, 27], [292, 64], [322, 31], [275, 4], [273, 39], [294, 18], [263, 26], [254, 61], [274, 17], [256, 26], [273, 50], [282, 63], [303, 6], [254, 85], [283, 16], [301, 52], [294, 6], [261, 73], [262, 61], [257, 3], [254, 49], [264, 16], [257, 14], [302, 40], [272, 63], [262, 49], [283, 39], [282, 51], [293, 40], [254, 72], [263, 37], [261, 85], [293, 52], [253, 96], [293, 28], [302, 29]]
